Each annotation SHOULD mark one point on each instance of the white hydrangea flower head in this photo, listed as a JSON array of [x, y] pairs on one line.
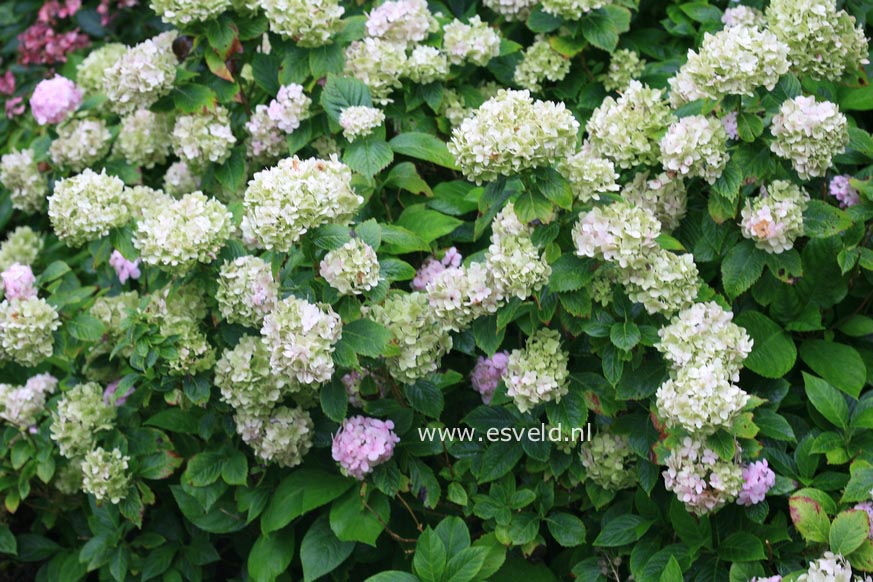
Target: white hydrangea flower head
[[309, 23], [624, 66], [351, 269], [700, 398], [733, 61], [80, 414], [284, 202], [26, 328], [619, 233], [809, 133], [144, 138], [404, 22], [142, 75], [422, 339], [87, 206], [360, 121], [23, 246], [538, 373], [743, 16], [823, 42], [572, 9], [246, 291], [453, 107], [142, 200], [204, 137], [194, 354], [540, 62], [289, 108], [700, 479], [182, 12], [426, 64], [377, 63], [80, 143], [589, 175], [774, 219], [695, 146], [609, 461], [105, 476], [829, 568], [183, 232], [664, 282], [266, 141], [514, 264], [246, 380], [511, 9], [90, 72], [284, 436], [111, 311], [23, 405], [28, 187], [627, 129], [461, 294], [474, 42], [301, 338], [511, 133], [663, 196], [180, 179]]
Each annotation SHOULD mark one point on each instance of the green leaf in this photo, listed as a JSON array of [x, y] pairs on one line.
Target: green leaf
[[235, 469], [701, 12], [531, 206], [368, 156], [555, 187], [848, 531], [392, 576], [672, 571], [352, 521], [855, 98], [430, 557], [425, 397], [839, 364], [859, 485], [174, 420], [193, 98], [86, 328], [464, 565], [232, 173], [622, 530], [809, 518], [774, 425], [741, 547], [300, 492], [428, 224], [728, 184], [8, 545], [741, 267], [857, 326], [625, 335], [569, 273], [568, 530], [498, 460], [540, 21], [342, 92], [203, 469], [265, 71], [773, 353], [749, 125], [602, 27], [334, 400], [405, 177], [827, 400], [400, 241], [321, 552], [366, 337], [821, 220], [326, 59], [271, 555], [423, 146]]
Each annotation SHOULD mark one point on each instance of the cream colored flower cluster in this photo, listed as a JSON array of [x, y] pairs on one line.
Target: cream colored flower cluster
[[695, 146], [700, 479], [181, 12], [609, 461], [28, 187], [80, 143], [474, 42], [663, 196], [774, 219], [360, 121], [246, 291], [203, 137], [351, 269], [309, 23], [538, 373], [589, 175], [539, 63], [142, 75], [87, 206], [144, 138], [809, 133], [377, 63]]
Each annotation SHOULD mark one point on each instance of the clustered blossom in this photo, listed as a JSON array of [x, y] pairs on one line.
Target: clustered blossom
[[142, 75], [90, 72], [511, 9], [105, 476], [179, 180], [284, 202], [360, 121], [487, 373], [421, 338], [26, 328], [540, 62], [809, 133], [624, 66], [43, 43], [609, 461], [284, 436], [511, 133], [512, 262], [81, 413], [143, 139], [474, 42], [246, 291], [87, 206], [22, 245], [729, 123], [351, 269], [627, 129], [266, 141], [700, 479], [379, 64], [538, 373], [460, 295], [405, 22], [246, 380], [28, 187], [867, 507], [310, 23], [179, 233], [589, 175], [758, 479], [829, 568], [733, 61], [80, 143], [841, 189], [54, 99], [124, 269], [823, 42], [17, 282], [362, 444], [572, 9], [301, 338], [22, 405], [695, 146], [181, 12], [203, 137], [663, 196], [426, 64], [706, 351], [774, 219], [179, 312], [776, 578], [742, 16], [289, 108], [432, 266]]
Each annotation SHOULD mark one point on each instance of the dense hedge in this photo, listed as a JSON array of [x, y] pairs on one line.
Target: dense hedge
[[250, 249]]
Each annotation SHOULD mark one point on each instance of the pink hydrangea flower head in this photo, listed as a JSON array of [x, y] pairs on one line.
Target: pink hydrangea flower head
[[842, 190], [41, 44], [758, 479], [486, 374], [729, 122], [123, 268], [18, 282], [7, 83], [14, 107], [54, 99], [363, 443], [868, 507], [431, 267]]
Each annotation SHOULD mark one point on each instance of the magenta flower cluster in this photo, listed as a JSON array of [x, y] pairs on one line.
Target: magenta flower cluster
[[433, 267], [486, 374], [841, 189], [54, 99], [362, 444], [123, 268], [758, 479]]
